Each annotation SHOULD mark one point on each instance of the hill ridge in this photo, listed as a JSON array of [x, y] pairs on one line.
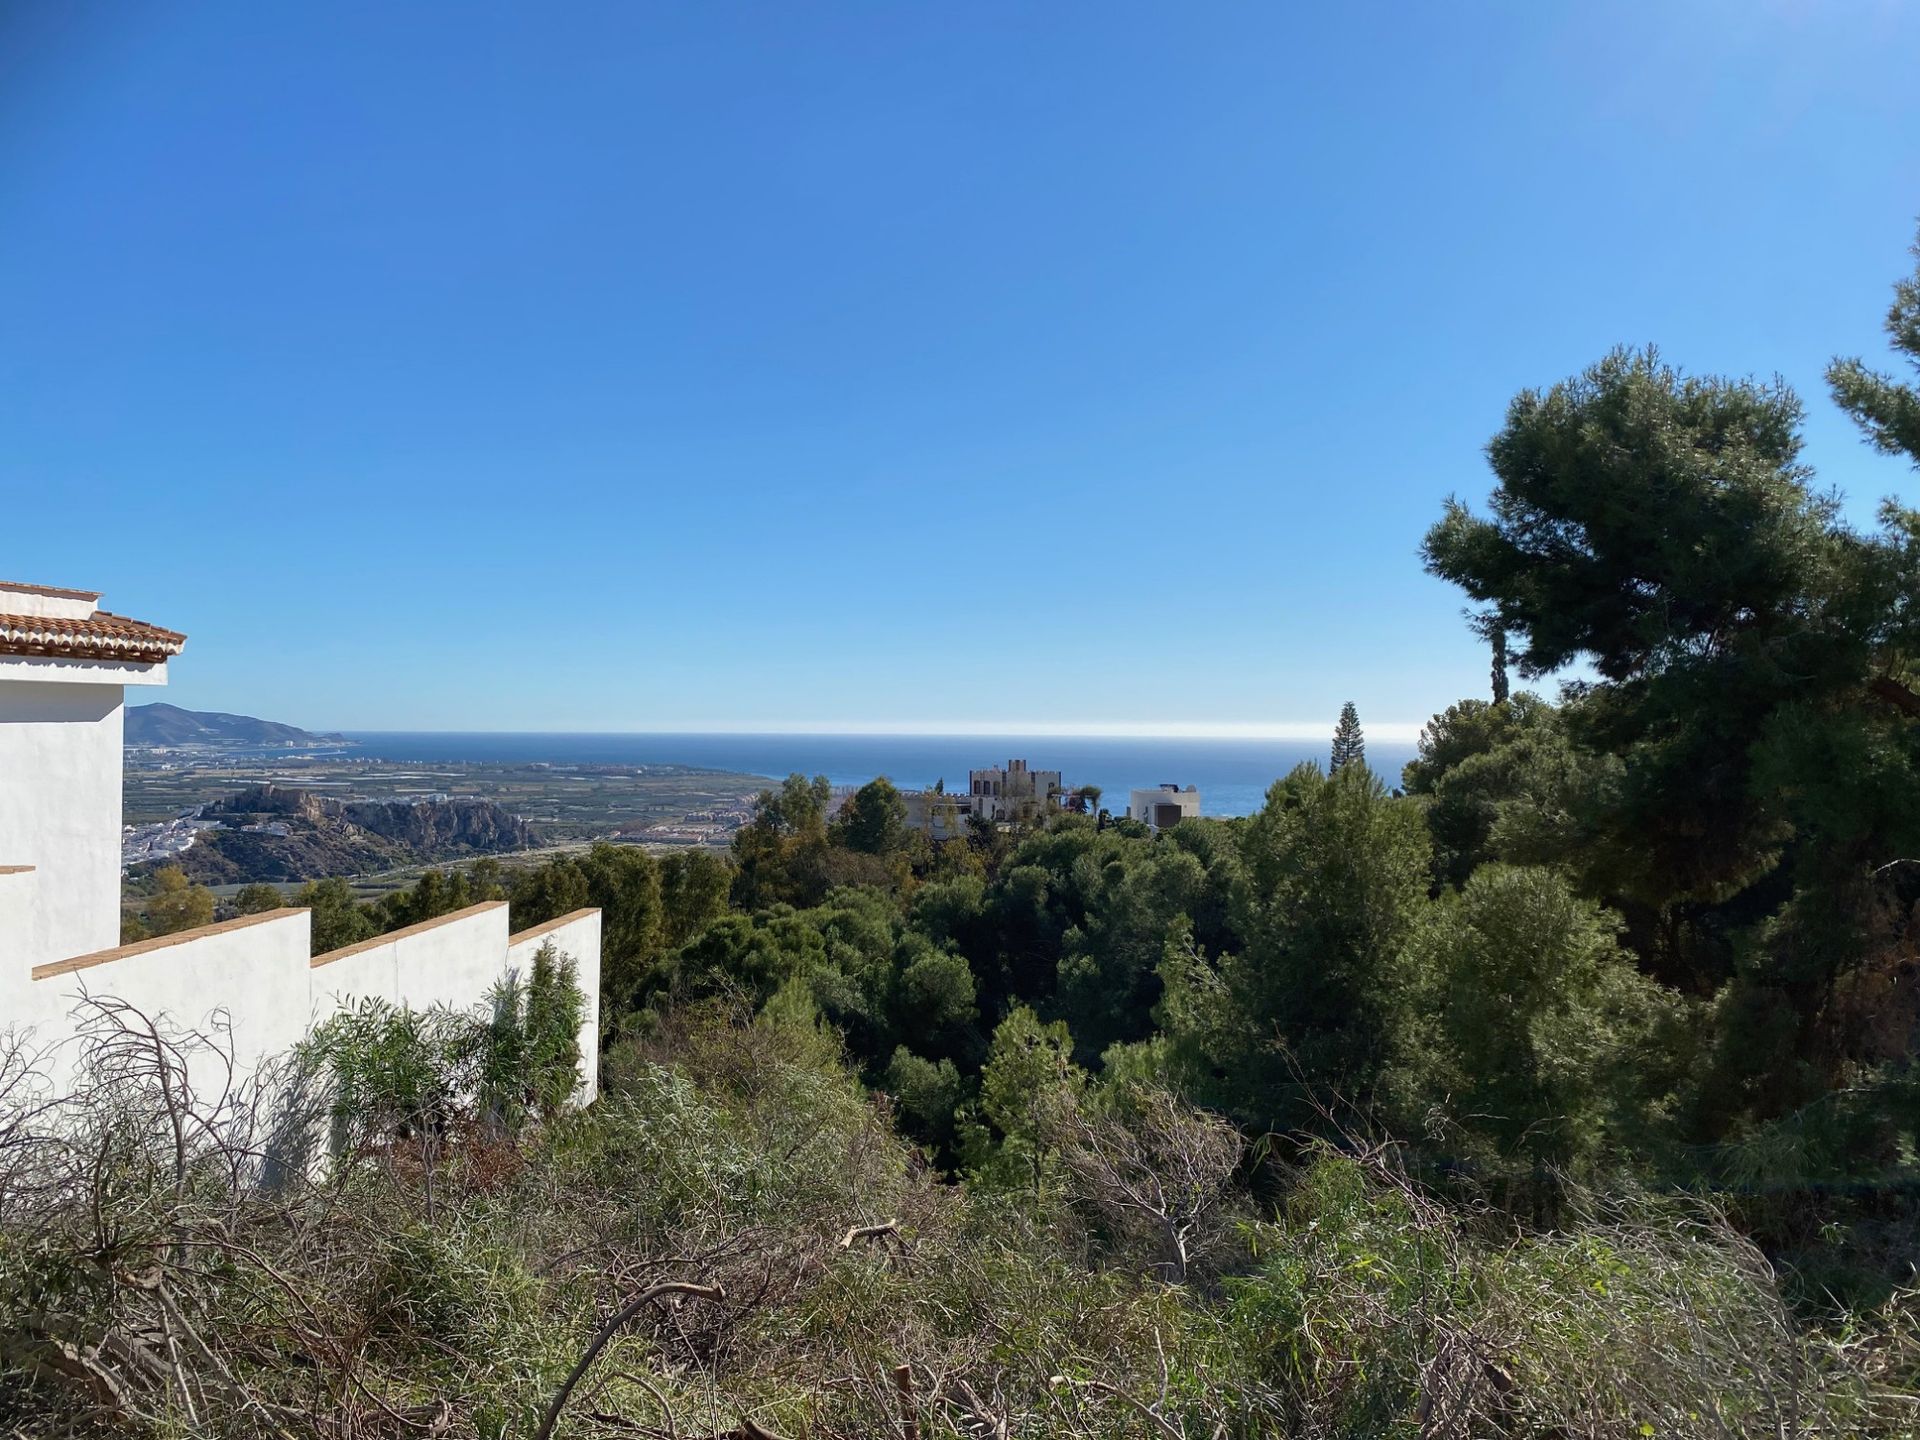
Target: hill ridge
[[161, 724]]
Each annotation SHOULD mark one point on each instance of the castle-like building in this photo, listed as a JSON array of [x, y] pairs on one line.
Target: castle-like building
[[65, 665]]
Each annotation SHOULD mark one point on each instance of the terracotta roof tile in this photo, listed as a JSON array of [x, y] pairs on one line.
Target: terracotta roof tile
[[102, 636]]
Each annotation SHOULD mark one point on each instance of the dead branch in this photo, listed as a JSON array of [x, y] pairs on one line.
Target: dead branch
[[607, 1331], [909, 1418], [869, 1232]]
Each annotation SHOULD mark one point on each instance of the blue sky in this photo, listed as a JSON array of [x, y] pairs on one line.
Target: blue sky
[[644, 366]]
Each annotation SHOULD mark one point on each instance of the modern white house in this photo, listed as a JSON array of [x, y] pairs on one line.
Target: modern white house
[[65, 665], [1163, 806]]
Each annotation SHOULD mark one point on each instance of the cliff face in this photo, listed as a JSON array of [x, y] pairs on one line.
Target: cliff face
[[274, 802], [324, 836], [479, 826]]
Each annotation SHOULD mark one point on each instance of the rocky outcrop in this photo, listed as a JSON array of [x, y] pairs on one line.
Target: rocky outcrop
[[281, 833], [466, 826], [274, 802]]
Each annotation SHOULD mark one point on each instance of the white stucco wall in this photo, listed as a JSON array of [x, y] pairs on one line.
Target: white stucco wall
[[17, 892], [47, 603], [58, 669], [255, 973], [39, 600], [249, 973], [577, 936], [60, 813], [16, 895], [456, 959], [450, 961]]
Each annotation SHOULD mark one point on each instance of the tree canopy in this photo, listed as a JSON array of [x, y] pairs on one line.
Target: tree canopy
[[1349, 745]]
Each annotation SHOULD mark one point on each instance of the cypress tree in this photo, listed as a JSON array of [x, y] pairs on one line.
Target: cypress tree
[[1349, 745]]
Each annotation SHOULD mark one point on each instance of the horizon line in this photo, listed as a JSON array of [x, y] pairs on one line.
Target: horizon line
[[1386, 732]]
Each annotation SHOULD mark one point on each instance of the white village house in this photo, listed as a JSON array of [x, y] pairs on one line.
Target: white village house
[[64, 667]]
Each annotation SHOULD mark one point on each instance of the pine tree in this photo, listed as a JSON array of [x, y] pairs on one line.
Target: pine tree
[[1349, 745]]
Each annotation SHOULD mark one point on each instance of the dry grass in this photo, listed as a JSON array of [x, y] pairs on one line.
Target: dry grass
[[805, 1274]]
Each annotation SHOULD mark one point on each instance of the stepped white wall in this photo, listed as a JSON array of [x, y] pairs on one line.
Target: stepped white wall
[[61, 728], [247, 977], [576, 936], [452, 961], [253, 978]]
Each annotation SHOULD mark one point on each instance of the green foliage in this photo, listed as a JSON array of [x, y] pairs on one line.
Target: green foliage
[[1130, 898], [933, 998], [176, 903], [1645, 1320], [779, 855], [400, 1073], [1534, 1041], [1349, 744], [693, 893], [873, 821], [1663, 528], [1738, 782], [555, 1011], [930, 1095], [1334, 873], [624, 883], [1888, 411], [1504, 782], [257, 899], [1647, 520], [338, 919], [1028, 1064], [435, 893], [397, 1072], [736, 1153]]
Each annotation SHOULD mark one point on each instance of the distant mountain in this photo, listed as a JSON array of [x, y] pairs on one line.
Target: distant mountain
[[149, 725]]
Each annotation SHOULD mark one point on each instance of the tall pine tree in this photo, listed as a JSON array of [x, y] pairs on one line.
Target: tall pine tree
[[1349, 745]]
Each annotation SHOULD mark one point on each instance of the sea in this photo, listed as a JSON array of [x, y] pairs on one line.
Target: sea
[[1232, 775]]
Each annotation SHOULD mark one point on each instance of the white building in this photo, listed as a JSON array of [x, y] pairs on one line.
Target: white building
[[64, 666], [1164, 806], [1013, 792], [942, 815]]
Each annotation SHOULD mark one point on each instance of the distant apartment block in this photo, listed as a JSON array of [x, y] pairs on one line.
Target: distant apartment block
[[1164, 806]]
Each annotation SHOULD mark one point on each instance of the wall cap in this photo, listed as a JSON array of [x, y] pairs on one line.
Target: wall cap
[[361, 946], [20, 587], [160, 942], [546, 926]]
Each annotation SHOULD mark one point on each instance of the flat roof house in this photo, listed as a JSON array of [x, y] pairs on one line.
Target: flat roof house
[[1164, 806]]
